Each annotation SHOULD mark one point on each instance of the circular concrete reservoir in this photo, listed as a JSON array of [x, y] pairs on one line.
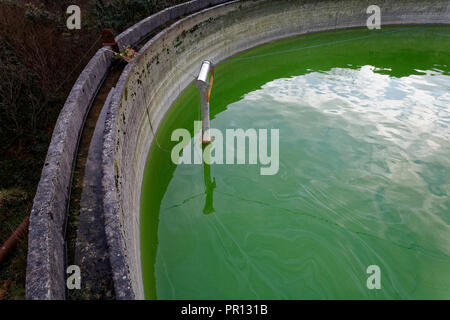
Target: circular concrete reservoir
[[362, 175], [360, 178]]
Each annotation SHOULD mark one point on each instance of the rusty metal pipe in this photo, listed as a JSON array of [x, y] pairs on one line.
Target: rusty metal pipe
[[13, 239], [108, 40], [211, 82]]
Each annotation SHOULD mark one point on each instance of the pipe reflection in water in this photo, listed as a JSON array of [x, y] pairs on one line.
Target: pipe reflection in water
[[210, 185]]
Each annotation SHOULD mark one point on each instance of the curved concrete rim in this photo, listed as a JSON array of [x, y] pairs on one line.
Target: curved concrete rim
[[163, 70], [46, 261], [152, 83]]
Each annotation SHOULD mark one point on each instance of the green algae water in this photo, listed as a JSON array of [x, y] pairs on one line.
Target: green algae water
[[364, 175]]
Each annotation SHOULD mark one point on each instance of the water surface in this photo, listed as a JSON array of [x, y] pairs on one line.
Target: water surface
[[364, 175]]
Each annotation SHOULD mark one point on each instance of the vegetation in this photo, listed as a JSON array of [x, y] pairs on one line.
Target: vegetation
[[40, 61]]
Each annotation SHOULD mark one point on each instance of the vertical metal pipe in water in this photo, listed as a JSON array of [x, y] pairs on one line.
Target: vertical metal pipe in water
[[205, 85]]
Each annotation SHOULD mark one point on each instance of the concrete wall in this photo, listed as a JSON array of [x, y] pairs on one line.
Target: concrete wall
[[162, 69], [46, 237], [46, 264], [154, 80]]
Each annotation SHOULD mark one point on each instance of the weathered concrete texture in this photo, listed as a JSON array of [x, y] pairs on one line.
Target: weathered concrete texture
[[46, 246], [141, 29], [113, 226], [91, 253], [164, 67]]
